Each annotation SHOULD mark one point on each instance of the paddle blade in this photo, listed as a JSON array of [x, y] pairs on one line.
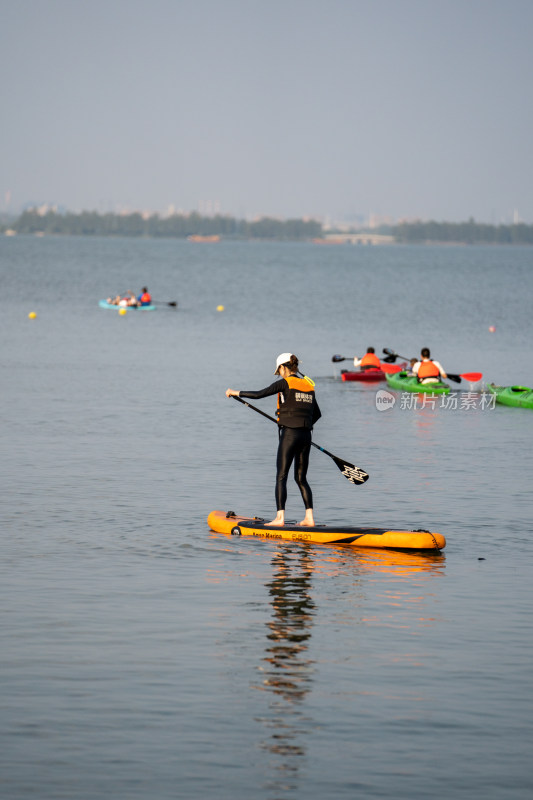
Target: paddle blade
[[390, 359], [355, 475], [472, 376], [391, 369], [336, 359], [389, 352]]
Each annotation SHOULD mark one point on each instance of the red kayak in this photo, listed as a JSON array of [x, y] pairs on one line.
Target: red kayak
[[371, 375]]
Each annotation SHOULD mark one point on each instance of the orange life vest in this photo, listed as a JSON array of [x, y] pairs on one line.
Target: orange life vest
[[146, 298], [427, 369], [370, 360]]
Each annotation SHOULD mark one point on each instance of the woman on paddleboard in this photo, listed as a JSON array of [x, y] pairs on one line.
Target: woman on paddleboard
[[297, 413]]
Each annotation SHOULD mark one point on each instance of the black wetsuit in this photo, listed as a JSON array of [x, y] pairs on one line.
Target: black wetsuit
[[295, 425]]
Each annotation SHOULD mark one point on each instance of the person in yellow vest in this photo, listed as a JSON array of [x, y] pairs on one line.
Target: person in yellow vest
[[369, 361], [428, 370], [297, 413]]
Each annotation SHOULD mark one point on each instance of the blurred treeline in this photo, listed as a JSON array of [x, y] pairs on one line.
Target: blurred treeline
[[91, 223]]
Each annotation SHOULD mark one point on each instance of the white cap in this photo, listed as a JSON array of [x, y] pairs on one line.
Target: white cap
[[283, 358]]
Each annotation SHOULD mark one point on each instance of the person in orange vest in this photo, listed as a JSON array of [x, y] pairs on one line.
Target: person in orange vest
[[297, 413], [145, 297], [428, 370], [369, 361]]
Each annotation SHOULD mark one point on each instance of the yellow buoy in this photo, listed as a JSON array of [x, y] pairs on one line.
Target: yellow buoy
[[32, 315], [122, 311], [220, 308]]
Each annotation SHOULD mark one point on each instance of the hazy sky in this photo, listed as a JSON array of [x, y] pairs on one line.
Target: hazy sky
[[401, 108]]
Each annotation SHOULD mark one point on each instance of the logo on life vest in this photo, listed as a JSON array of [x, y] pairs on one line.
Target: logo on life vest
[[303, 397]]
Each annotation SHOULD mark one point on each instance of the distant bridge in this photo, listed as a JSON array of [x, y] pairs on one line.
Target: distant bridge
[[355, 238]]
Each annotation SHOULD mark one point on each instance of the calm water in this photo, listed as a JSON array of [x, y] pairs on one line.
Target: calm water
[[144, 656]]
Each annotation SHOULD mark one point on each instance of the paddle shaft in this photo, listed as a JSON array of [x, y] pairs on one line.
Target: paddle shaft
[[354, 474], [338, 358], [385, 366]]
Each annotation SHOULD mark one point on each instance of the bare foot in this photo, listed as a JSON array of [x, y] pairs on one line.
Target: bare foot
[[308, 521], [279, 520]]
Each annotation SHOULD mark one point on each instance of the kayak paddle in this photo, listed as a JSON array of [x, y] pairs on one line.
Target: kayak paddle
[[391, 369], [336, 359], [355, 475], [387, 364], [472, 377], [389, 360]]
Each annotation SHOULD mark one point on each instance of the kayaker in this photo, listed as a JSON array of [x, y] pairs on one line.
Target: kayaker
[[428, 370], [297, 413], [369, 361], [145, 298]]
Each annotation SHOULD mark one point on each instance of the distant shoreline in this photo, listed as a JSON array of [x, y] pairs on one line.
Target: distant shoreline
[[195, 228]]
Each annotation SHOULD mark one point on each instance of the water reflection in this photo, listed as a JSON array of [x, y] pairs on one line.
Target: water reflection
[[287, 668], [400, 563]]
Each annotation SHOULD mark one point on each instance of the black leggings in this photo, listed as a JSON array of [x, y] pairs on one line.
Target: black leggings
[[294, 445]]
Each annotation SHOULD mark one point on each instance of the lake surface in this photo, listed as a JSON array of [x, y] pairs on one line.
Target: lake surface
[[145, 656]]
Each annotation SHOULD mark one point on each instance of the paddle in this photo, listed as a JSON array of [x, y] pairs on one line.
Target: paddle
[[336, 359], [354, 474], [391, 369], [386, 365], [472, 377]]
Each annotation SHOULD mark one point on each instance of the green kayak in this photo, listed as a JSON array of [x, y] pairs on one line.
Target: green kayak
[[519, 396], [404, 382]]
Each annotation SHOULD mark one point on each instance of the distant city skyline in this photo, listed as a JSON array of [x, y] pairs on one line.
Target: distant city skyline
[[343, 110]]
